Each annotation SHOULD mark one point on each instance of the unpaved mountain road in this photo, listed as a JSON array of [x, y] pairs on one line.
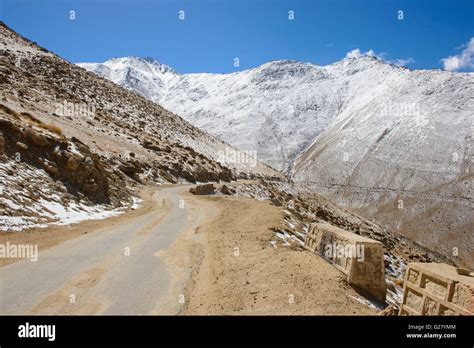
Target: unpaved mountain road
[[174, 255]]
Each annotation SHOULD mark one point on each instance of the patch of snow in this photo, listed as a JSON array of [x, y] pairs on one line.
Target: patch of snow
[[366, 302], [136, 202]]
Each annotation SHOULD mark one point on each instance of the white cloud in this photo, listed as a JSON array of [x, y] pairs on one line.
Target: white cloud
[[464, 60], [356, 53], [403, 61]]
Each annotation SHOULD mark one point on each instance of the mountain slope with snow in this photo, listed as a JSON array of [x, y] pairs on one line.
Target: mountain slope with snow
[[391, 143], [262, 104], [74, 146]]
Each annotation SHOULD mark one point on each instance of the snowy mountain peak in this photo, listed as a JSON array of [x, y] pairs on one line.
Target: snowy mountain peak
[[362, 62], [146, 76], [140, 63]]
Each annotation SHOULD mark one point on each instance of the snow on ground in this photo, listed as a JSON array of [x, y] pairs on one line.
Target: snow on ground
[[136, 203], [395, 269], [76, 212], [366, 302], [27, 200]]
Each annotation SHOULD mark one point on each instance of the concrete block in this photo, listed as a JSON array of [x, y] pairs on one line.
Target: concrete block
[[436, 289], [360, 258]]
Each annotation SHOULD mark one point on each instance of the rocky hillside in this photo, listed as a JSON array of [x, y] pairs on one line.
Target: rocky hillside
[[75, 146], [392, 144]]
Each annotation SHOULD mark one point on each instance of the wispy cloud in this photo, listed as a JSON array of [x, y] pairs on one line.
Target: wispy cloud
[[356, 53], [462, 61], [403, 61]]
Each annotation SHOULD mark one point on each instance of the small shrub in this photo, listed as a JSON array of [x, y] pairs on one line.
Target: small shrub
[[52, 128]]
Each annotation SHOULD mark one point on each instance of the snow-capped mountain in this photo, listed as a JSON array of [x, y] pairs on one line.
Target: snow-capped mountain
[[277, 109], [142, 75], [392, 143]]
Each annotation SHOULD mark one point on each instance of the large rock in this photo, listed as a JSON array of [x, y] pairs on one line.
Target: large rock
[[226, 190], [360, 258], [436, 289], [37, 138], [206, 189]]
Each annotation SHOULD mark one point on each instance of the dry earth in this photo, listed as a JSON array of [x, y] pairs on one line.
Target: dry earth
[[242, 273]]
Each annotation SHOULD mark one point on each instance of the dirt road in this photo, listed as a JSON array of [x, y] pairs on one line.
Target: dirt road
[[177, 254]]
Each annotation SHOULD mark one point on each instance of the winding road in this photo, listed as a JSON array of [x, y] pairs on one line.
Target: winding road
[[115, 270]]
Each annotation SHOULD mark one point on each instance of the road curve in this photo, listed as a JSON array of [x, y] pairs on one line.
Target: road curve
[[117, 270]]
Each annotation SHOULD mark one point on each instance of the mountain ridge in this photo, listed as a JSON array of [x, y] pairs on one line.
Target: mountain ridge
[[359, 122]]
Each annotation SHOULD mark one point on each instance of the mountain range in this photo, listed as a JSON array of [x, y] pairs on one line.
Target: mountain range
[[390, 143]]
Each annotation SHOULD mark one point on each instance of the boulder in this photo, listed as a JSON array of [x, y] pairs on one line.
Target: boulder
[[38, 139], [130, 168], [276, 202], [206, 189], [147, 144], [226, 190]]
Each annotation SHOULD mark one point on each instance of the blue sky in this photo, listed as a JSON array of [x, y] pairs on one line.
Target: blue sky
[[214, 32]]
